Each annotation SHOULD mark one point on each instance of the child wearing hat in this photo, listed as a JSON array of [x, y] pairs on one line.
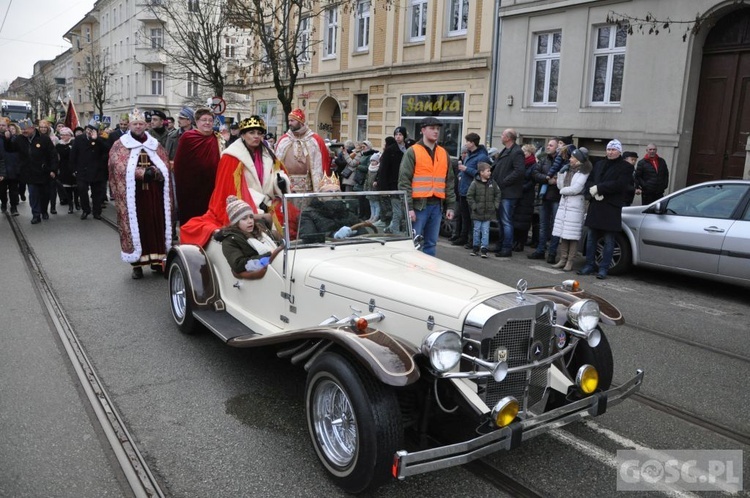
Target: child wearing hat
[[247, 247]]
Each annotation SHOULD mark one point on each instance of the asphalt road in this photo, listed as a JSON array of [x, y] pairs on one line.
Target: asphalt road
[[221, 422]]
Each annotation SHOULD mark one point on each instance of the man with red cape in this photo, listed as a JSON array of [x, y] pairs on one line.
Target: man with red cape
[[140, 183], [195, 165], [249, 170]]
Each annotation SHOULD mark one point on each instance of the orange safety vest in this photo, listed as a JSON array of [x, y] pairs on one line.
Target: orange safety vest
[[429, 175]]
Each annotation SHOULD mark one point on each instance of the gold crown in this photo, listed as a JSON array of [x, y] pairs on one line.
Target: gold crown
[[136, 115], [252, 122], [329, 183]]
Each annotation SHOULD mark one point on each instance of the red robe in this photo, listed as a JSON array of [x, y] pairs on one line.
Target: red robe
[[144, 210], [236, 175], [195, 165]]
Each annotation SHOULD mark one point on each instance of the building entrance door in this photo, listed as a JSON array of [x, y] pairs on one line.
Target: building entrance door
[[722, 115]]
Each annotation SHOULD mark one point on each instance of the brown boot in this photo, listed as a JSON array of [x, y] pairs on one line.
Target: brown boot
[[562, 250], [572, 250]]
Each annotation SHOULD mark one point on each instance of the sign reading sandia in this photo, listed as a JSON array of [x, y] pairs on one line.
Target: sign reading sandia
[[433, 104]]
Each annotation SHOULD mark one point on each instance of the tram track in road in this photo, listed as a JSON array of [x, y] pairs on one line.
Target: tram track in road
[[501, 480], [690, 342], [139, 477]]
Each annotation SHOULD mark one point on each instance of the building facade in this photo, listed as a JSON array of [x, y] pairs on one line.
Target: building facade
[[563, 69], [372, 68]]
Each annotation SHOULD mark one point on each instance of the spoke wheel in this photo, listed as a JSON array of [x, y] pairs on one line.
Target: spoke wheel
[[354, 422], [179, 298]]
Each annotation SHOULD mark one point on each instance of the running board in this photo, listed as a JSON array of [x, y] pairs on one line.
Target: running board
[[224, 325]]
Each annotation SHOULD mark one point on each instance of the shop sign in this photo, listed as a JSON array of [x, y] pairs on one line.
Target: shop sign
[[433, 104]]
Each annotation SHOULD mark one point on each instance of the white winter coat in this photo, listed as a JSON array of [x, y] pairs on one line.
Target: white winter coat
[[569, 218]]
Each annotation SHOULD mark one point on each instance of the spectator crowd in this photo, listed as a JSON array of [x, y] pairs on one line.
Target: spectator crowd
[[169, 178]]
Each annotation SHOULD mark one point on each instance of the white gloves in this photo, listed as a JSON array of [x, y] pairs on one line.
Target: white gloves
[[599, 197], [343, 233], [593, 191]]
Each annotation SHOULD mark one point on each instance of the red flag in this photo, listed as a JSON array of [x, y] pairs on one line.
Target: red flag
[[71, 118]]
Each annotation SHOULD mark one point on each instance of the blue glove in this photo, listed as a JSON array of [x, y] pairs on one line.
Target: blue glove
[[254, 265], [265, 260], [343, 233]]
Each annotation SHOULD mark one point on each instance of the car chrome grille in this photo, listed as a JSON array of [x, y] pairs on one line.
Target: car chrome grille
[[518, 336]]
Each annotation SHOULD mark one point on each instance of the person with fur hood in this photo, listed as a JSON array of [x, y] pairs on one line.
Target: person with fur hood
[[570, 214]]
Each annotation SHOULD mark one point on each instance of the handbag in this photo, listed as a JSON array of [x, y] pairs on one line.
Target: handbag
[[346, 173]]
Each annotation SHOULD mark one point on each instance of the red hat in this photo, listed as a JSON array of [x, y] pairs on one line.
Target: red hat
[[298, 115]]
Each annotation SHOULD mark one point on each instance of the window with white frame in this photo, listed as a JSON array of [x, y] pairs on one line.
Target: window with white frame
[[417, 20], [87, 34], [331, 31], [157, 38], [303, 40], [609, 64], [192, 85], [193, 6], [157, 83], [458, 17], [546, 67], [230, 42], [362, 33], [361, 117]]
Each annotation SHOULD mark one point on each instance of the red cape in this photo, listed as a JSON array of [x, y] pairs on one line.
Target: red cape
[[230, 180], [195, 166]]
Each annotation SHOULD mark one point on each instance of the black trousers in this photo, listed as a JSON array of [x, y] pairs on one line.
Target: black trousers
[[9, 188], [98, 191], [464, 227]]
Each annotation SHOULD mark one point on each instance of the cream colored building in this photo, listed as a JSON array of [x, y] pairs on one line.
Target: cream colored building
[[690, 97], [375, 68]]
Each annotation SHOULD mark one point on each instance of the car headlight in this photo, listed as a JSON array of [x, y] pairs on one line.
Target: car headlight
[[505, 411], [587, 379], [443, 349], [584, 314]]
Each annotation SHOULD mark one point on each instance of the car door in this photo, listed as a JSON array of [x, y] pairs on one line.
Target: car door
[[690, 234], [734, 260]]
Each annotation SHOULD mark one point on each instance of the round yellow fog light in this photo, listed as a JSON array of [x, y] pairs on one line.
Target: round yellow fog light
[[587, 379], [505, 411]]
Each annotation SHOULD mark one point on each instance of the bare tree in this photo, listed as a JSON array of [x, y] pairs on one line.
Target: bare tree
[[282, 39], [195, 32], [43, 94], [97, 77], [649, 24]]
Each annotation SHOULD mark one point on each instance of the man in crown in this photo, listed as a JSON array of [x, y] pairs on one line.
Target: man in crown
[[249, 170], [140, 182], [304, 154]]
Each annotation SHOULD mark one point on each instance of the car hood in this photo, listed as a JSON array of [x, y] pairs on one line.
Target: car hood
[[400, 278]]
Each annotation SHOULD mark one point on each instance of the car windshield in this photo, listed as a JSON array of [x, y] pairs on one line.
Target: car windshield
[[339, 218]]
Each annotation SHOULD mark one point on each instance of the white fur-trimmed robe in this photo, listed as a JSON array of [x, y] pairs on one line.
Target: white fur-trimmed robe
[[123, 172]]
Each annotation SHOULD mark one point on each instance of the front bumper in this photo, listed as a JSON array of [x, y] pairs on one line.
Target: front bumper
[[407, 464]]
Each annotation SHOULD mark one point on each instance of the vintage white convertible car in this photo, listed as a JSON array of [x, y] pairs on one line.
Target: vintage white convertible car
[[414, 364]]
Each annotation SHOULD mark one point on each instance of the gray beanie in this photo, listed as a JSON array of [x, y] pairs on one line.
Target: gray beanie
[[188, 113], [237, 209], [581, 153]]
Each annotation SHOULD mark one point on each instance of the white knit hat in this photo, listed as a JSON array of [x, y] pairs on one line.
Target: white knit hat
[[237, 209]]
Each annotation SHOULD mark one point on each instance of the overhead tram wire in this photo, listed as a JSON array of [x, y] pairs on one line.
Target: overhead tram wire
[[6, 15]]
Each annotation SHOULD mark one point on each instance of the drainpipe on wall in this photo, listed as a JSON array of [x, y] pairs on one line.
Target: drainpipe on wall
[[746, 176], [496, 35]]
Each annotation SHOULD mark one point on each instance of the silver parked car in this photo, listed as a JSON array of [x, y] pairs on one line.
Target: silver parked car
[[702, 230]]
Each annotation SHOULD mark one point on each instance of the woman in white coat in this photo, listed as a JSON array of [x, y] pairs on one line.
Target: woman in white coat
[[569, 218]]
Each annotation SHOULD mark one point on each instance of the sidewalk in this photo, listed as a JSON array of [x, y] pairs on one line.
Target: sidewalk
[[48, 445]]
